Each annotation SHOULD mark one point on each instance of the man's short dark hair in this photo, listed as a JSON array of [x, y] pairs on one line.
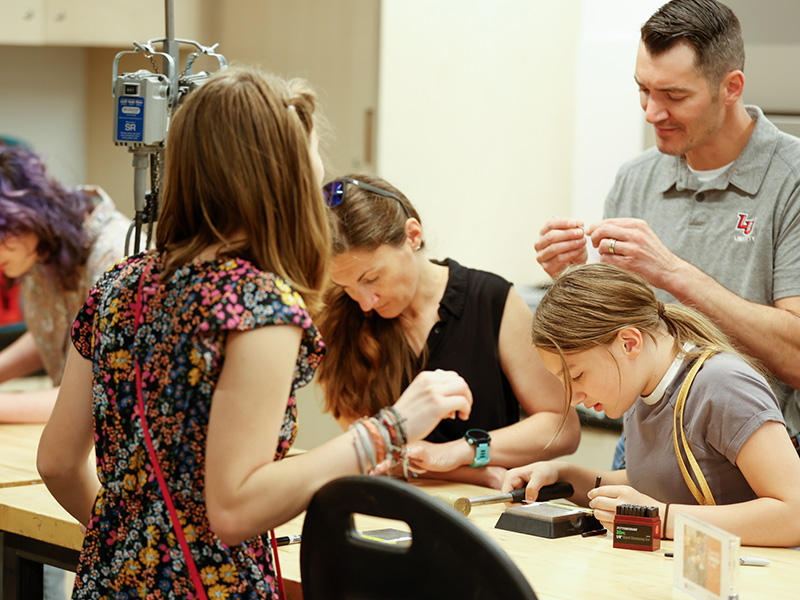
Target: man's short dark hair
[[708, 26]]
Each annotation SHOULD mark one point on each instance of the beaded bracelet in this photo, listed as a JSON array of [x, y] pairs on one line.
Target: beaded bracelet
[[380, 442], [396, 424]]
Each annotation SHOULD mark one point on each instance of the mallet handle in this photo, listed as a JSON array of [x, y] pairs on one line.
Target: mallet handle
[[562, 489]]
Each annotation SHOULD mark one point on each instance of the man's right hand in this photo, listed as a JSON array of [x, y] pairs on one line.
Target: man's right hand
[[561, 243]]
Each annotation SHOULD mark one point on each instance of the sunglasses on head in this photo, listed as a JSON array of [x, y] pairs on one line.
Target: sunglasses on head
[[334, 192]]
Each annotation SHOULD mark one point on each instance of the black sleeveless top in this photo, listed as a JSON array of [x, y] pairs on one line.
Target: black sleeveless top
[[465, 340]]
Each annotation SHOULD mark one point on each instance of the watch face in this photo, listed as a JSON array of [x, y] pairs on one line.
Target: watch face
[[477, 436]]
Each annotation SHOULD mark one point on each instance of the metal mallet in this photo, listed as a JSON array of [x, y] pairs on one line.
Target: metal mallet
[[562, 489]]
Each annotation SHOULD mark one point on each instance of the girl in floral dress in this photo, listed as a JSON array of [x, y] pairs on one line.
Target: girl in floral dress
[[186, 361]]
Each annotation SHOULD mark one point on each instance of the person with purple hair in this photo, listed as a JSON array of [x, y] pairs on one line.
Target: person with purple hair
[[55, 241]]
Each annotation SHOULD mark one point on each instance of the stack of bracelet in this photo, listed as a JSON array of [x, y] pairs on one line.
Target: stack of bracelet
[[380, 441]]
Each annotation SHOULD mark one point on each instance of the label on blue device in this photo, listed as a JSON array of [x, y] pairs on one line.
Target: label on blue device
[[130, 118]]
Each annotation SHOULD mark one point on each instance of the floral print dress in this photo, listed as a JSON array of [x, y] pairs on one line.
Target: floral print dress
[[130, 549]]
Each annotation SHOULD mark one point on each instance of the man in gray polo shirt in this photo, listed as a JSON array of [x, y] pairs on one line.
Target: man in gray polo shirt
[[711, 217]]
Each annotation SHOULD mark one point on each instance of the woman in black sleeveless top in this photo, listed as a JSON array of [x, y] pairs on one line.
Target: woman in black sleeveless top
[[390, 312]]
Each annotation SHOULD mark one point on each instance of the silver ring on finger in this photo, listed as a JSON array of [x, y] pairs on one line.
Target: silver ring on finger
[[611, 245]]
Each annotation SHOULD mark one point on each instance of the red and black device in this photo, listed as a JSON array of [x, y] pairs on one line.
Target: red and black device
[[637, 527]]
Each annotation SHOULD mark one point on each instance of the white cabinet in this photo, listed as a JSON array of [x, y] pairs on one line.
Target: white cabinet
[[22, 21], [95, 22]]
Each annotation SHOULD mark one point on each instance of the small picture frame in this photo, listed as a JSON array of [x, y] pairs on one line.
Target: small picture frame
[[706, 560]]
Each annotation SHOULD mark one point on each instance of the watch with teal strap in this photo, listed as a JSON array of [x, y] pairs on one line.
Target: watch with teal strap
[[479, 439]]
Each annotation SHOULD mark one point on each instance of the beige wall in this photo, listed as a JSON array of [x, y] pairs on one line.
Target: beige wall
[[108, 166], [475, 122], [332, 44], [43, 93], [772, 49]]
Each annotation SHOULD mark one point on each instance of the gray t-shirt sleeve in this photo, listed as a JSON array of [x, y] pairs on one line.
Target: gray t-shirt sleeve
[[727, 403]]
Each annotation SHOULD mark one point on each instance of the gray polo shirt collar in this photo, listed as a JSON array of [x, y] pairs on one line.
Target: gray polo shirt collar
[[747, 172]]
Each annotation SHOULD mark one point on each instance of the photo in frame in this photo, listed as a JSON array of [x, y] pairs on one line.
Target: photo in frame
[[706, 560]]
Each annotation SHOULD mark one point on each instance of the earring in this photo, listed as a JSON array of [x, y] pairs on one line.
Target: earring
[[417, 248]]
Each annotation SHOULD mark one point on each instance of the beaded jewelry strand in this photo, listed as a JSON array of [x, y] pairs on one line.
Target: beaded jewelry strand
[[380, 442]]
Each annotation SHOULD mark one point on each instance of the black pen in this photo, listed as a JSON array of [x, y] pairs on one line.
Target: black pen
[[592, 532], [288, 539]]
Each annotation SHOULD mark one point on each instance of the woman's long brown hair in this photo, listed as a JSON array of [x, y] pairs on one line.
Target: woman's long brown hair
[[237, 160], [368, 357]]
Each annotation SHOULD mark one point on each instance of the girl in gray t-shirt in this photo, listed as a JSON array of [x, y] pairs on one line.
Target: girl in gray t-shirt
[[616, 348]]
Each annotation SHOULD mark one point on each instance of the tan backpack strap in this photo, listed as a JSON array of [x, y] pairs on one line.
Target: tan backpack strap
[[705, 496]]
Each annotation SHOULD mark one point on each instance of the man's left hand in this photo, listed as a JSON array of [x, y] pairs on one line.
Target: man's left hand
[[631, 245]]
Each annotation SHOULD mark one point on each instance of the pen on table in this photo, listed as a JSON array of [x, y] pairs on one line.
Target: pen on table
[[288, 539], [743, 560], [753, 561], [592, 532]]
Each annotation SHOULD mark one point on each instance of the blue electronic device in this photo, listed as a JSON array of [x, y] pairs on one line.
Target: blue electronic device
[[141, 116], [130, 119]]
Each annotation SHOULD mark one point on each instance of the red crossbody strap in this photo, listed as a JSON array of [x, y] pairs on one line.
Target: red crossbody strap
[[173, 514], [278, 576]]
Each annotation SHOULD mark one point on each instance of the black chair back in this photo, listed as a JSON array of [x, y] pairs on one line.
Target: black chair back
[[448, 556]]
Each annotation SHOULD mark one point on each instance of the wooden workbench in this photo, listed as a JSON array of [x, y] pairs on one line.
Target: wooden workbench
[[18, 445], [35, 527], [573, 567]]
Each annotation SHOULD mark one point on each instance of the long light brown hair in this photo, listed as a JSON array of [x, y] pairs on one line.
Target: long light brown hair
[[588, 305], [368, 357], [237, 160]]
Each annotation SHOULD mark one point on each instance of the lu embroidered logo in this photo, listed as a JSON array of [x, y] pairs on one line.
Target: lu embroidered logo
[[745, 225]]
